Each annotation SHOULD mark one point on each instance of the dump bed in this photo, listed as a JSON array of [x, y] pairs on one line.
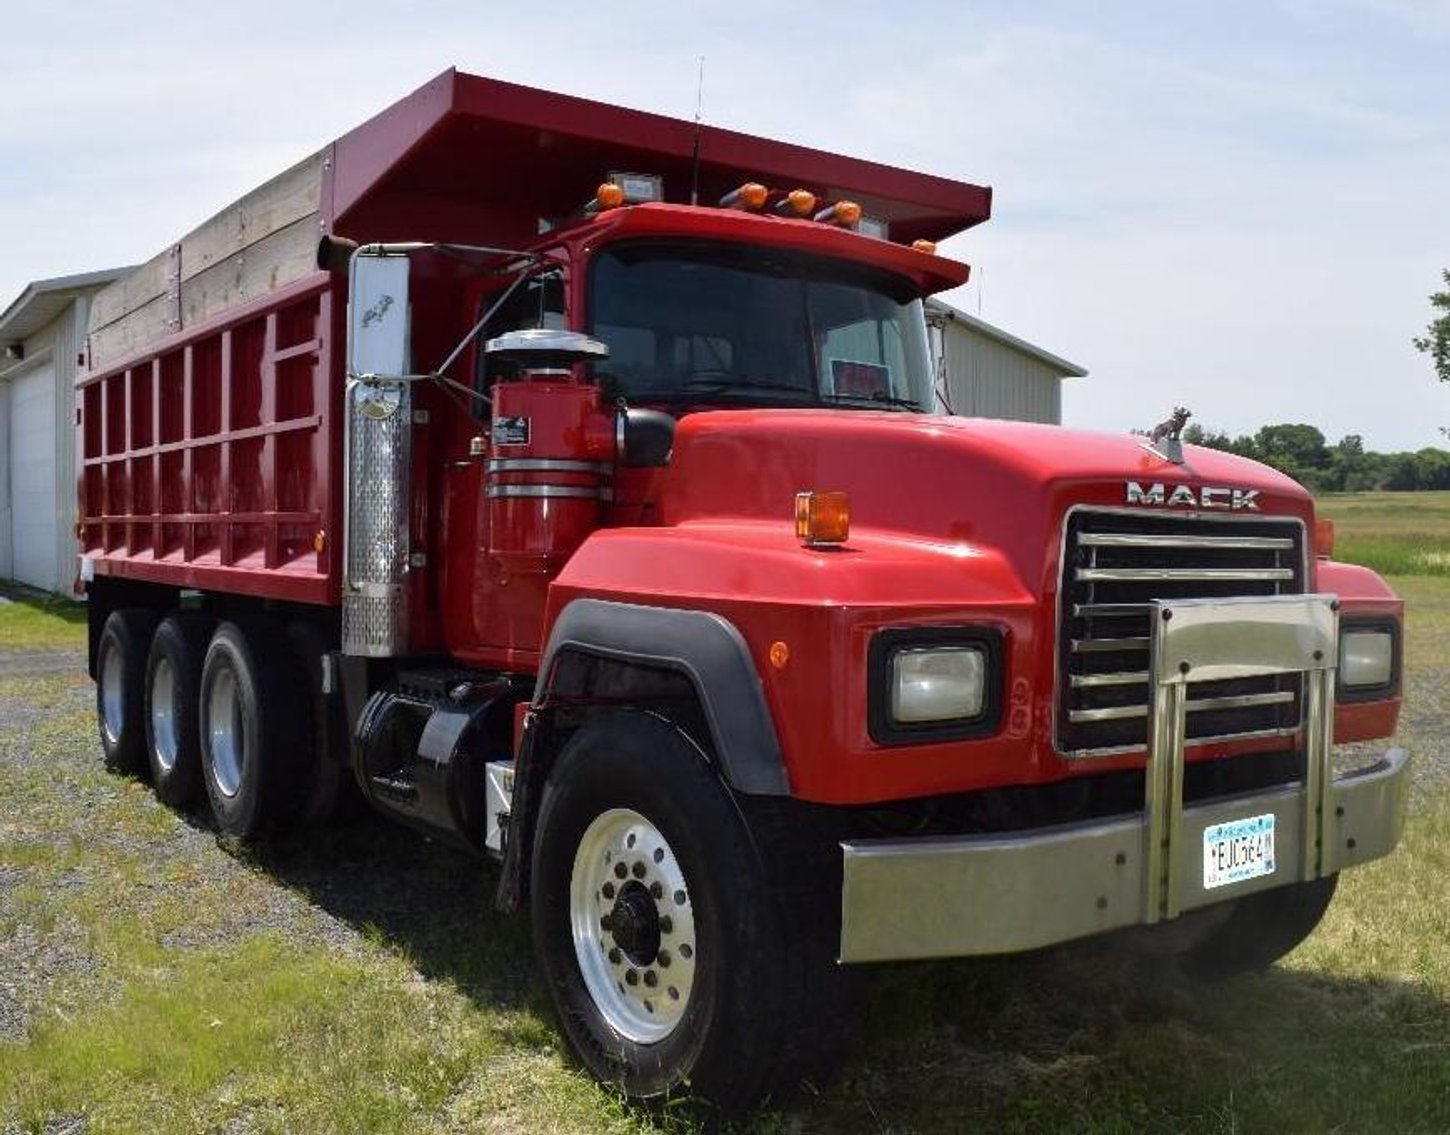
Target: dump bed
[[210, 390]]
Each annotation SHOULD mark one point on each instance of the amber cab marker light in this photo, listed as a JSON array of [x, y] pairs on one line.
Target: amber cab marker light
[[798, 202], [1324, 538], [609, 196], [926, 246], [779, 655], [319, 541], [846, 213], [822, 518], [750, 196]]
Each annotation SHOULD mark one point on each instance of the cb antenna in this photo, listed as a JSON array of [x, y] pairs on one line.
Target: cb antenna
[[695, 153]]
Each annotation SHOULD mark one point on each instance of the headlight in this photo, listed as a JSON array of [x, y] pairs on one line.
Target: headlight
[[937, 685], [934, 683], [1367, 659]]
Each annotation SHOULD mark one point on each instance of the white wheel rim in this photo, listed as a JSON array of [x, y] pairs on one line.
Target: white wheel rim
[[163, 713], [113, 692], [634, 934], [227, 742]]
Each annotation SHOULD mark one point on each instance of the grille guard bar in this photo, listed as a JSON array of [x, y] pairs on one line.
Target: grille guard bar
[[986, 894], [1206, 640]]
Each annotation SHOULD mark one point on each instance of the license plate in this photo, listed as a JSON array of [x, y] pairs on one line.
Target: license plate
[[1238, 850]]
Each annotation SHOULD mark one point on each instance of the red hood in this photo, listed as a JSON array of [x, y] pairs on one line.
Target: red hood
[[956, 480]]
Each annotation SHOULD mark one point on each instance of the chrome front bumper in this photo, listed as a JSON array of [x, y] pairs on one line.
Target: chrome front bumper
[[966, 895]]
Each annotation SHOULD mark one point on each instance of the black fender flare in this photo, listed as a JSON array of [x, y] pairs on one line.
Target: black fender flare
[[707, 649]]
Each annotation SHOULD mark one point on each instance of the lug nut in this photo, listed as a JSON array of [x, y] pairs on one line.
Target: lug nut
[[667, 924], [650, 978], [639, 869], [685, 951], [663, 958], [656, 891], [679, 898], [659, 855], [632, 977], [609, 890], [620, 871], [674, 994], [615, 957]]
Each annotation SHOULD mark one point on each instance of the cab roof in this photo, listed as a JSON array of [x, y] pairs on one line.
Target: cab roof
[[467, 138]]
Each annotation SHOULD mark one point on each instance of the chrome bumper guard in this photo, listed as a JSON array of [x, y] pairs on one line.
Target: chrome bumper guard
[[991, 894]]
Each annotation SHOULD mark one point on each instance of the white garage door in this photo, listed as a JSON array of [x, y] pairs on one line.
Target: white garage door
[[33, 520]]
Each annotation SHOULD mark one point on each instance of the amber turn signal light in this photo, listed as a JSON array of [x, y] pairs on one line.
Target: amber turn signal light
[[1324, 537], [822, 518]]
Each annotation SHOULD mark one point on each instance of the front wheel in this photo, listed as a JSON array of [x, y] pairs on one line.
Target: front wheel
[[680, 944]]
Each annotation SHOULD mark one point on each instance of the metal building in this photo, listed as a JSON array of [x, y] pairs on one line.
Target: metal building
[[41, 336], [991, 374]]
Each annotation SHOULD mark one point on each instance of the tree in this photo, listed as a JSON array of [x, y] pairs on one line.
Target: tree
[[1436, 340]]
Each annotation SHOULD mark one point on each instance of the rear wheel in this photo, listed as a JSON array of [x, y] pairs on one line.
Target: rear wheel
[[675, 956], [173, 678], [246, 704], [1260, 929], [120, 685]]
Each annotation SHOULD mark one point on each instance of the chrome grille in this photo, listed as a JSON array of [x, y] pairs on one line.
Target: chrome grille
[[1114, 565]]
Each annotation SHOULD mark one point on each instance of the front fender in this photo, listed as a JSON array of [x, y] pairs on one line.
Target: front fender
[[1363, 594], [806, 617]]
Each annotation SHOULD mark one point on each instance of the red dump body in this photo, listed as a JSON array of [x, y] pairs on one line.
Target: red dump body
[[209, 406]]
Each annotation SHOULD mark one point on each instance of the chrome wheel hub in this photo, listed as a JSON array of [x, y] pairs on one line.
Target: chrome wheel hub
[[163, 714], [633, 925], [227, 740], [112, 694]]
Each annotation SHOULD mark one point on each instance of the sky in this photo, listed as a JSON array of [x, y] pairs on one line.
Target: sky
[[1237, 207]]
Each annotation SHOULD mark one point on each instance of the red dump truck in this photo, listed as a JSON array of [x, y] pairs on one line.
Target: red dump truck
[[565, 479]]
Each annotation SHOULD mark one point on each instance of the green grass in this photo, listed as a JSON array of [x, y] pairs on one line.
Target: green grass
[[1394, 533], [32, 620]]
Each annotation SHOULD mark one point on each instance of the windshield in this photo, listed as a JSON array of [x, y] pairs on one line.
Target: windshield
[[690, 323]]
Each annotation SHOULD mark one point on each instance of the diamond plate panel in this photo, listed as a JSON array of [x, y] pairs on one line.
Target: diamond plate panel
[[375, 609]]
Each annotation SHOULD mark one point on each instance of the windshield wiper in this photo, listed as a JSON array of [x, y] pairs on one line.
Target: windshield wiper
[[726, 385], [878, 399]]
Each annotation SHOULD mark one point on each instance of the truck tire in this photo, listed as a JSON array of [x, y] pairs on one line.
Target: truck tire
[[120, 684], [1260, 929], [173, 681], [673, 958], [247, 705]]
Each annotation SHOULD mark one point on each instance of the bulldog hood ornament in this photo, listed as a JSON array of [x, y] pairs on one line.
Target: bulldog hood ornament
[[1165, 439]]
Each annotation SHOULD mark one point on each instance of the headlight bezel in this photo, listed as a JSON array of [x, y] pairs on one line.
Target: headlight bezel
[[1382, 690], [881, 655]]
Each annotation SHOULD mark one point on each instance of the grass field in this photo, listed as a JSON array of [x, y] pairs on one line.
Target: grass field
[[1394, 533], [153, 979]]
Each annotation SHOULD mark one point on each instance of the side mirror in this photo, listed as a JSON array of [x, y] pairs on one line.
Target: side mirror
[[377, 316]]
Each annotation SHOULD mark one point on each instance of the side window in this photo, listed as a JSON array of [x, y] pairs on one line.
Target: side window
[[536, 303]]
